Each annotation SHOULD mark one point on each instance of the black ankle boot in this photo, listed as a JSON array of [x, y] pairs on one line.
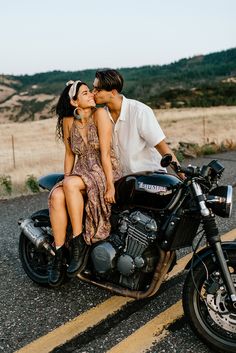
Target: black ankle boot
[[57, 270], [79, 251]]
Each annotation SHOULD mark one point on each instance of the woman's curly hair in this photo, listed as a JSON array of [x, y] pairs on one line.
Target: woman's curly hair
[[64, 108]]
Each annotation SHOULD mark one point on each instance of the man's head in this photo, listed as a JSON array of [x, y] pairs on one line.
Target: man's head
[[106, 85]]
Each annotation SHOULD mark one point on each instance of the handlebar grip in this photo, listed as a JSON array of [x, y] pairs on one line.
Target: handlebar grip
[[190, 170]]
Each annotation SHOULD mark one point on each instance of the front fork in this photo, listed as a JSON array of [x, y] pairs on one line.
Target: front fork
[[213, 238]]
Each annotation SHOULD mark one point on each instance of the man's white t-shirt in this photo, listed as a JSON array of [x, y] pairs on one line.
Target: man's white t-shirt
[[135, 134]]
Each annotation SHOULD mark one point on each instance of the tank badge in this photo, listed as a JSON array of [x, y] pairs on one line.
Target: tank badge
[[155, 189]]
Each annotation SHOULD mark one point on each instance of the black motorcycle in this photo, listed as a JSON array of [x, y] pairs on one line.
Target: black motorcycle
[[156, 214]]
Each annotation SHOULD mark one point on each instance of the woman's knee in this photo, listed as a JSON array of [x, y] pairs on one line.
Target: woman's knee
[[73, 183], [57, 198]]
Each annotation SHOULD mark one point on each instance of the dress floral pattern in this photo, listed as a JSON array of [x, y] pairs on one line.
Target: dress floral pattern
[[88, 166]]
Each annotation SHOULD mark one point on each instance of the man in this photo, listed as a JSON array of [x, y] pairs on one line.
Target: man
[[138, 139]]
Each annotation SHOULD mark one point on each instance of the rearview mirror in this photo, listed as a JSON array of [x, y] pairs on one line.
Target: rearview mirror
[[166, 160]]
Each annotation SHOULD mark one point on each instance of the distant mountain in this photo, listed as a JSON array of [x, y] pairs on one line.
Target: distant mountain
[[203, 80]]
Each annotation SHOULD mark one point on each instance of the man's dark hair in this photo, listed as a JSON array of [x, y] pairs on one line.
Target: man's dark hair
[[109, 80]]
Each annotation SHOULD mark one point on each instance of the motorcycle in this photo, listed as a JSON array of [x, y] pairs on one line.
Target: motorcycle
[[156, 213]]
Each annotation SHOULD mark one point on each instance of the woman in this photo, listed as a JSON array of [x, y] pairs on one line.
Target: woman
[[90, 169]]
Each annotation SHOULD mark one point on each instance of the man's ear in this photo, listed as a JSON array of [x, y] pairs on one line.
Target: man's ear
[[74, 103], [114, 92]]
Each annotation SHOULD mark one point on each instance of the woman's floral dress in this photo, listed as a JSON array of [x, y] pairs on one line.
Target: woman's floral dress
[[88, 166]]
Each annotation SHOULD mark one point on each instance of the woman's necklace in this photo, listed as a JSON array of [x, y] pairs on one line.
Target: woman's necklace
[[83, 126]]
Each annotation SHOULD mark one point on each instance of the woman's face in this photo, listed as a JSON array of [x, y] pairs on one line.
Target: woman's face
[[85, 98]]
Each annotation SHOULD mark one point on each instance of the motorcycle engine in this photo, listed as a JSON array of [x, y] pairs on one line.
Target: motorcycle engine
[[128, 252]]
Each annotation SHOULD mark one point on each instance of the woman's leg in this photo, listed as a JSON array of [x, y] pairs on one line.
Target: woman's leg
[[59, 219], [58, 216], [74, 188]]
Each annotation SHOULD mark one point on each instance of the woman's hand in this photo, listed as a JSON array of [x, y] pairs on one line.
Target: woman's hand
[[110, 194]]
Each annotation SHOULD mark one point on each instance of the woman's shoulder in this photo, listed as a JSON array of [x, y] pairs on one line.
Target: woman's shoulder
[[100, 114], [100, 111], [68, 120]]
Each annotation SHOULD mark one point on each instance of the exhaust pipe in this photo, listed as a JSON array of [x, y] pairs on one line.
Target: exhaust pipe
[[35, 234]]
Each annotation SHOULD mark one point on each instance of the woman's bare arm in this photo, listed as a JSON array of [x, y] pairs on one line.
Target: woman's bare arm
[[69, 155], [104, 126]]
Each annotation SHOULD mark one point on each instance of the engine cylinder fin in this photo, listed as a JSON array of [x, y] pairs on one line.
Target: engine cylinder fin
[[138, 235], [135, 247]]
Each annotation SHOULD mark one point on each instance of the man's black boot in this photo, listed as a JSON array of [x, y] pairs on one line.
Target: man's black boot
[[79, 251], [57, 269]]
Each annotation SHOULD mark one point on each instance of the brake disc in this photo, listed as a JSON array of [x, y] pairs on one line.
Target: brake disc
[[220, 313]]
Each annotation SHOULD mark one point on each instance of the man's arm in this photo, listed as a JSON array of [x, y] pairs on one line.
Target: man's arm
[[163, 149]]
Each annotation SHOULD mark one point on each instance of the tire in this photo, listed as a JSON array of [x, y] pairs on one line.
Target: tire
[[217, 328], [35, 261]]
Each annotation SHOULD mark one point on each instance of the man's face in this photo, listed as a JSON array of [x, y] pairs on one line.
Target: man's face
[[101, 96]]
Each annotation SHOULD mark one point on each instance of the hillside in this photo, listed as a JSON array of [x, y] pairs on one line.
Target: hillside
[[200, 81]]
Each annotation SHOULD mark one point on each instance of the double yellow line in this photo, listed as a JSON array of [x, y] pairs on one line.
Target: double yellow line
[[138, 342]]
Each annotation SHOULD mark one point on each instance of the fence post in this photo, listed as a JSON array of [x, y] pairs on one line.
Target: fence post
[[204, 129], [13, 151]]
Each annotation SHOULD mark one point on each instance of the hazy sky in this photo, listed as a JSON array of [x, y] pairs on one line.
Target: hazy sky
[[46, 35]]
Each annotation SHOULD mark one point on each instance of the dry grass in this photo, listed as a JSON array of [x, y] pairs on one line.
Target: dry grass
[[198, 125], [37, 152]]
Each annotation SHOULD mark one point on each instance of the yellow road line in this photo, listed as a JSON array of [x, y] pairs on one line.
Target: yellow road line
[[182, 262], [147, 335], [76, 326], [94, 316], [230, 236]]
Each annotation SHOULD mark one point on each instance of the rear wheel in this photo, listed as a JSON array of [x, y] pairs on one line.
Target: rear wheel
[[34, 261], [208, 307]]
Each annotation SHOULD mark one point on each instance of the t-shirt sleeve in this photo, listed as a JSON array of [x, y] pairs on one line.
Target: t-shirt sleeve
[[150, 129]]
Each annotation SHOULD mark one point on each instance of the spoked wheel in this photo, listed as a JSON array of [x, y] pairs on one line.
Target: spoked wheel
[[207, 305], [34, 261]]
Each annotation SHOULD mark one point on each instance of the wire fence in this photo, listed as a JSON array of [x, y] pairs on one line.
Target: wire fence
[[19, 159], [31, 148]]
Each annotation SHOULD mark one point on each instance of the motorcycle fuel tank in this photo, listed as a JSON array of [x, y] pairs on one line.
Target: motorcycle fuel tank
[[152, 190]]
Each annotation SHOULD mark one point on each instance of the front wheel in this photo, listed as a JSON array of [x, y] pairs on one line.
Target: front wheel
[[208, 307]]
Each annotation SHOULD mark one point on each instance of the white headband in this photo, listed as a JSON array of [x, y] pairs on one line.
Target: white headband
[[72, 90]]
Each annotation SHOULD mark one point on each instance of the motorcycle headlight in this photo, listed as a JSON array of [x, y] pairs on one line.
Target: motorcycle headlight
[[220, 200]]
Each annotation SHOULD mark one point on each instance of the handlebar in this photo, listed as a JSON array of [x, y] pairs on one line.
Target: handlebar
[[210, 172], [192, 171]]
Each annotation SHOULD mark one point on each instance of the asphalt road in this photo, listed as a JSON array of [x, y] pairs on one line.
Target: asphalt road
[[28, 311]]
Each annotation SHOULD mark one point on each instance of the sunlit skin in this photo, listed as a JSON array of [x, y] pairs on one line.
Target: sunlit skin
[[84, 102]]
